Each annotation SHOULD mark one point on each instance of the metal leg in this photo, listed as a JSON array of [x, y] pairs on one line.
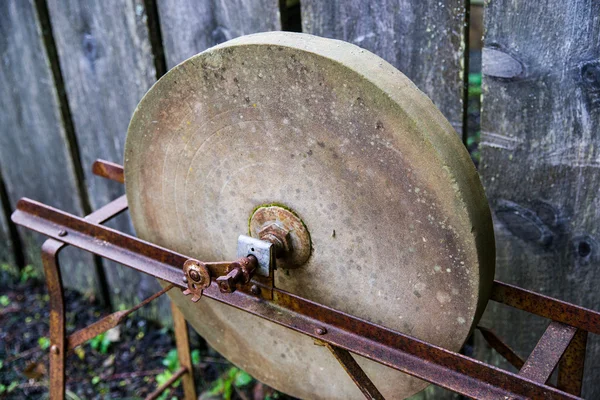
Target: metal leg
[[502, 348], [58, 340], [547, 353], [50, 250], [183, 351], [570, 368], [366, 386]]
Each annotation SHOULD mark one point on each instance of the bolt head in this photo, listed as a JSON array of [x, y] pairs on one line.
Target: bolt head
[[195, 275], [54, 349], [62, 233], [255, 290], [274, 233], [225, 287], [185, 279], [320, 331]]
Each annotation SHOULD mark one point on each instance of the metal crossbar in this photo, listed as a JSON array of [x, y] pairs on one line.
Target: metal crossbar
[[562, 345]]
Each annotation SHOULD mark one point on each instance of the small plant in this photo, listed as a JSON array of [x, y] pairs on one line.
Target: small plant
[[233, 377], [100, 343], [44, 343], [29, 272], [474, 84], [195, 356], [171, 362], [7, 389]]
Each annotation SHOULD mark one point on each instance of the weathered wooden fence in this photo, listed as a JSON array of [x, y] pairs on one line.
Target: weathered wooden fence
[[73, 71]]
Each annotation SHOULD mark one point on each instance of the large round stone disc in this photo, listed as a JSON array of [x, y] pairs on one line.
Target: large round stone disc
[[400, 227]]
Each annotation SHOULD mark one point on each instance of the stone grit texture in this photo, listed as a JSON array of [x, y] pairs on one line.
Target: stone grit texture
[[400, 227]]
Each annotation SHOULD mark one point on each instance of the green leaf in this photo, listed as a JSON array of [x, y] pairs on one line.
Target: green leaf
[[218, 387], [13, 385], [163, 377], [44, 342], [228, 390], [28, 272], [104, 344], [195, 356], [242, 378], [4, 301], [171, 361], [475, 79], [232, 373], [95, 380]]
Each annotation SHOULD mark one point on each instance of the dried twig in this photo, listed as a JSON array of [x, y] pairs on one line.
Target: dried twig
[[22, 354]]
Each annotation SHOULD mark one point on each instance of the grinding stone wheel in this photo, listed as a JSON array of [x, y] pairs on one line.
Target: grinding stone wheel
[[400, 227]]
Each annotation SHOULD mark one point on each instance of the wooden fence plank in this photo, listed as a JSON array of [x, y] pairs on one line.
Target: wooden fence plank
[[424, 39], [34, 150], [540, 148], [191, 26], [107, 63]]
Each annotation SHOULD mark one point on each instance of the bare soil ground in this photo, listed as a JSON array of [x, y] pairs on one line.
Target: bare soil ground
[[128, 363]]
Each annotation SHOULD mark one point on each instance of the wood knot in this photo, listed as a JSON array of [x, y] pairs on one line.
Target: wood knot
[[499, 64], [590, 74], [583, 249], [90, 47], [524, 223]]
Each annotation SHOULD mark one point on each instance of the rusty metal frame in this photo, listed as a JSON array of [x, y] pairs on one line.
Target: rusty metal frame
[[562, 345], [61, 343]]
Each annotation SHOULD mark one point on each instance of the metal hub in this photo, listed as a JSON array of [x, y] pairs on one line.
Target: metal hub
[[285, 230]]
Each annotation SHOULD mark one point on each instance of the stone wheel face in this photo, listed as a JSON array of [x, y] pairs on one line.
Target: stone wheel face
[[400, 228]]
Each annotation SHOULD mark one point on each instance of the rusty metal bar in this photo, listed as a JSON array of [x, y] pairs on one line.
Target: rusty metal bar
[[547, 307], [109, 211], [396, 350], [183, 352], [154, 395], [570, 368], [548, 351], [108, 322], [50, 250], [58, 340], [108, 170], [366, 386], [502, 348]]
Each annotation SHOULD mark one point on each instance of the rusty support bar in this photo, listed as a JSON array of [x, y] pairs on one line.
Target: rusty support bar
[[154, 395], [399, 351], [183, 352], [50, 250], [108, 170], [502, 348], [547, 307], [108, 322], [357, 374], [570, 368], [58, 340], [547, 352], [109, 211]]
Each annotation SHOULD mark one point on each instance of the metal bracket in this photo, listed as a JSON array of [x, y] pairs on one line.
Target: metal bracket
[[262, 250]]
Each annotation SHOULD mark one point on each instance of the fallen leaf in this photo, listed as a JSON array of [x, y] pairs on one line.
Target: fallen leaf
[[34, 371]]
